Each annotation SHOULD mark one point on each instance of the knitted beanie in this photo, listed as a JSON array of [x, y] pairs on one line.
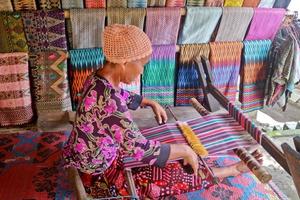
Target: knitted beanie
[[125, 43]]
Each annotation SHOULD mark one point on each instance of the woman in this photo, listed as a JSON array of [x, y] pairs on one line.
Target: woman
[[104, 131]]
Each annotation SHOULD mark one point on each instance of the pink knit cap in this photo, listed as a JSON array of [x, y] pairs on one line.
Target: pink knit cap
[[125, 43]]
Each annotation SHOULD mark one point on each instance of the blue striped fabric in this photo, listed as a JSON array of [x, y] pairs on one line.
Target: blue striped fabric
[[137, 3]]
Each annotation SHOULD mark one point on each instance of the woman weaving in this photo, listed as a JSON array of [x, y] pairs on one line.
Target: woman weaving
[[104, 131]]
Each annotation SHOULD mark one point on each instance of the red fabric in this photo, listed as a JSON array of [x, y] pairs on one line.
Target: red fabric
[[95, 4]]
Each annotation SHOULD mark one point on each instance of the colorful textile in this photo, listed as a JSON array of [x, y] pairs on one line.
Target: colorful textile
[[200, 22], [45, 30], [265, 23], [175, 3], [137, 3], [225, 59], [87, 27], [69, 4], [251, 3], [214, 3], [195, 3], [233, 3], [166, 19], [132, 16], [83, 63], [15, 97], [49, 4], [24, 4], [133, 87], [117, 4], [156, 3], [234, 24], [50, 83], [266, 3], [158, 79], [12, 35], [5, 5], [95, 3], [281, 3], [254, 74], [188, 84]]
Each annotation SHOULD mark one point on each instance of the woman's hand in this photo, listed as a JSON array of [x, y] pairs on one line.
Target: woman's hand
[[159, 111]]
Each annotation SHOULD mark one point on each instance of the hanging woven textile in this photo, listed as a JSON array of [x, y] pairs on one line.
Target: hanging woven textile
[[156, 3], [50, 83], [254, 74], [117, 3], [68, 4], [266, 3], [251, 3], [95, 3], [130, 16], [133, 87], [12, 33], [83, 63], [225, 59], [234, 24], [214, 3], [5, 5], [24, 4], [195, 2], [162, 25], [188, 84], [281, 3], [159, 75], [175, 3], [49, 4], [15, 97], [233, 3], [137, 3], [87, 27], [265, 23], [200, 22], [45, 30]]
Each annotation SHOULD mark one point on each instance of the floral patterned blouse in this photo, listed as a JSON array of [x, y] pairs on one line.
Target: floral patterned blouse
[[104, 131]]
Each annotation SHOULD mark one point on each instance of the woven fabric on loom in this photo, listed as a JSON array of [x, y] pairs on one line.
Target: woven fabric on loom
[[166, 19], [95, 3], [24, 4], [117, 3], [133, 87], [175, 3], [5, 5], [83, 63], [281, 3], [218, 133], [130, 16], [195, 2], [137, 3], [200, 22], [45, 30], [266, 4], [12, 33], [87, 27], [251, 3], [253, 74], [214, 3], [188, 84], [15, 97], [159, 75], [225, 58], [156, 3], [68, 4], [265, 23], [50, 83], [49, 4], [234, 24]]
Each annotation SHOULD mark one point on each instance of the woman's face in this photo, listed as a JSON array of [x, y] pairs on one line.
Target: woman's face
[[134, 69]]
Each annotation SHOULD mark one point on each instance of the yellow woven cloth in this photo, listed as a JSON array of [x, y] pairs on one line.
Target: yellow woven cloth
[[116, 3], [129, 16], [233, 3], [5, 5], [190, 51], [156, 3], [24, 4]]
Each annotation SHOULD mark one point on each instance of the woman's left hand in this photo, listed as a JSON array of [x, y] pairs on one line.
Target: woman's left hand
[[159, 111]]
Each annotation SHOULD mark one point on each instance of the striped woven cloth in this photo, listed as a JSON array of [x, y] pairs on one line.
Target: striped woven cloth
[[214, 3], [5, 5], [68, 4], [15, 97], [162, 25], [87, 27], [281, 3], [156, 3], [95, 3], [175, 3], [50, 82], [200, 22], [265, 23], [233, 3], [49, 4], [137, 3], [158, 79], [225, 59], [130, 16], [45, 29], [218, 133], [83, 62], [24, 5], [195, 2], [251, 3], [12, 33], [117, 3], [188, 84], [234, 24], [133, 87], [266, 3], [253, 74]]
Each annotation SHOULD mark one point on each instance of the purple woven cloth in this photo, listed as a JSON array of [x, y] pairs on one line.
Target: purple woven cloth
[[265, 23]]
